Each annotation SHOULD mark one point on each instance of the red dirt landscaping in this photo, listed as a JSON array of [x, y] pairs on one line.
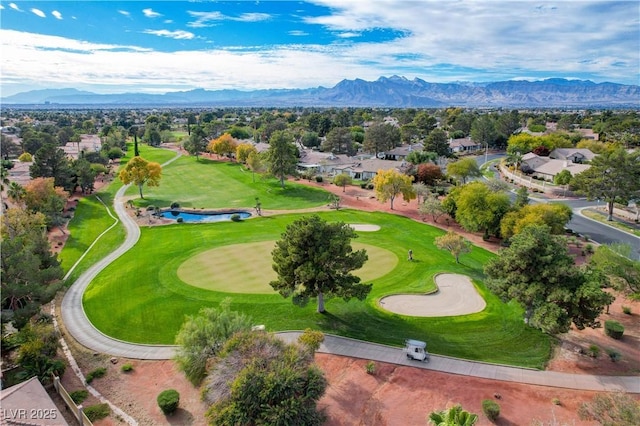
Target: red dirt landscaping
[[394, 395]]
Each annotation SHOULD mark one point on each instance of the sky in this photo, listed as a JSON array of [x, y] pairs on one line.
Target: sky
[[166, 46]]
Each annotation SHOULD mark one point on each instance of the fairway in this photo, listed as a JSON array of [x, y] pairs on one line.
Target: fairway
[[246, 268]]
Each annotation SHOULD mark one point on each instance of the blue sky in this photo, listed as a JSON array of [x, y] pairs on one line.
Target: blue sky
[[162, 46]]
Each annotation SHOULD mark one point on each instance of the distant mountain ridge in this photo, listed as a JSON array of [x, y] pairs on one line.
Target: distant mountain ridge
[[392, 91]]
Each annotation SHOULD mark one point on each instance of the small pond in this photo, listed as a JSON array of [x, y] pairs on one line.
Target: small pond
[[201, 217]]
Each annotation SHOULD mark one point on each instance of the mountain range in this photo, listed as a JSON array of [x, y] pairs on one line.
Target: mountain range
[[385, 92]]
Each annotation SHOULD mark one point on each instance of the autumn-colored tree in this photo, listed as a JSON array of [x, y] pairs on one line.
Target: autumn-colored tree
[[255, 164], [429, 173], [243, 151], [555, 216], [140, 171], [42, 196], [390, 183], [454, 244], [224, 145]]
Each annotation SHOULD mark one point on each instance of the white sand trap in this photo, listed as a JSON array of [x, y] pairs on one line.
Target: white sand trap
[[456, 295], [364, 227]]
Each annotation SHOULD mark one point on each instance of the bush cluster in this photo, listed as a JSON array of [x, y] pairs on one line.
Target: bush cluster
[[235, 217], [168, 401], [126, 368], [613, 329], [97, 412], [96, 374], [319, 179], [175, 205], [79, 395], [491, 409]]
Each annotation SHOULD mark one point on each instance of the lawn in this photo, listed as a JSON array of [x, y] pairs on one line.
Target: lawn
[[140, 298], [206, 183]]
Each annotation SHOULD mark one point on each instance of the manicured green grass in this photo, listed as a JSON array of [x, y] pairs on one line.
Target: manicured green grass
[[246, 268], [210, 184], [140, 298]]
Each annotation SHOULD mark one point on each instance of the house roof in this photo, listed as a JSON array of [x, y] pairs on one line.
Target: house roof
[[18, 402], [405, 149], [464, 142], [552, 167], [372, 165], [563, 153], [310, 157], [529, 156]]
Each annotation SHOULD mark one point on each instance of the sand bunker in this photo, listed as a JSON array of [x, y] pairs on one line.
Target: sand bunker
[[364, 227], [456, 295]]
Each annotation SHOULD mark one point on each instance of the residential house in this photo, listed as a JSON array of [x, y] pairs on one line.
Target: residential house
[[575, 155], [88, 143], [399, 153], [547, 168], [464, 145], [367, 169], [325, 163]]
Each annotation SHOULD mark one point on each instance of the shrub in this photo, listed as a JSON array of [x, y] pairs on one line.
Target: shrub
[[369, 186], [180, 220], [79, 395], [319, 179], [613, 329], [589, 248], [175, 205], [556, 401], [491, 409], [235, 217], [626, 310], [25, 157], [96, 374], [363, 185], [370, 367], [168, 401], [594, 351], [97, 412], [614, 355], [126, 368], [150, 207]]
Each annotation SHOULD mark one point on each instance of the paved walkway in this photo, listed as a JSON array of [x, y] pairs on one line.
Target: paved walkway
[[372, 351], [79, 326]]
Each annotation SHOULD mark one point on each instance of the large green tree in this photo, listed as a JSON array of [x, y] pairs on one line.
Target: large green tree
[[259, 379], [196, 143], [30, 272], [339, 141], [537, 272], [614, 176], [555, 216], [202, 336], [480, 209], [464, 169], [381, 137], [281, 155], [437, 142], [314, 258], [51, 161]]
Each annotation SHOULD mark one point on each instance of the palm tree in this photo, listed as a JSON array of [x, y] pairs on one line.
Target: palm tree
[[16, 192], [454, 416]]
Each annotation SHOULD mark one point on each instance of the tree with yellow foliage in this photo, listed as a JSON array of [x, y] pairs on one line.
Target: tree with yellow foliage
[[243, 151], [224, 145], [388, 184], [140, 171]]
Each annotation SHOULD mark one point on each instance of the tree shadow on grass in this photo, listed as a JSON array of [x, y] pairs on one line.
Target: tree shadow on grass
[[182, 417]]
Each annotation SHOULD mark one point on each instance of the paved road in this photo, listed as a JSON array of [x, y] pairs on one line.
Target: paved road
[[79, 326], [599, 232]]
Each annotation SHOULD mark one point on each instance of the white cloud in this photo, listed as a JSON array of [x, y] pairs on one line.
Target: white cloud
[[178, 35], [38, 12], [14, 7], [150, 13], [124, 12], [348, 34], [1, 7], [57, 14], [168, 21], [298, 33], [253, 17], [204, 19]]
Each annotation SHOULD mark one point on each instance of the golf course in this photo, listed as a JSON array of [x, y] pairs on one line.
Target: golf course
[[175, 270]]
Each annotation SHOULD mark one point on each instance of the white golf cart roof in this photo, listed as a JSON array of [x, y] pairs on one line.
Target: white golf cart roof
[[418, 343]]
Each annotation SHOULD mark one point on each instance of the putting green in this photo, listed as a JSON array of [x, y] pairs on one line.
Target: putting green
[[246, 268]]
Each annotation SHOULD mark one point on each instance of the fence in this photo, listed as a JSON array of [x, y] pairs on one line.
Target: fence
[[529, 182], [77, 411]]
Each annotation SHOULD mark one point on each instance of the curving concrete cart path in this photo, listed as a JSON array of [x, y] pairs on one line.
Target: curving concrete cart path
[[79, 326]]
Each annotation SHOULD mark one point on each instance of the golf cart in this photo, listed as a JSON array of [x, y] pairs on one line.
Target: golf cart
[[416, 349]]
